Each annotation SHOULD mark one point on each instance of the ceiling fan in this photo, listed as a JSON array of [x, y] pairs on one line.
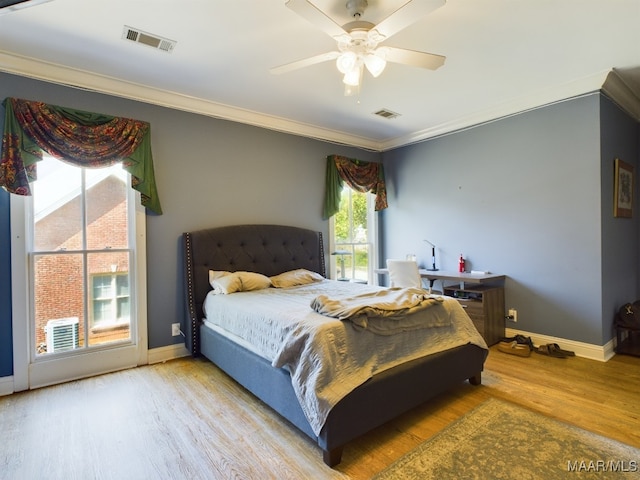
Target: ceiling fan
[[358, 41]]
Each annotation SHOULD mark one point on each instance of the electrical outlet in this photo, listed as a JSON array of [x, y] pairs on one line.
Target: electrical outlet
[[513, 315], [175, 329]]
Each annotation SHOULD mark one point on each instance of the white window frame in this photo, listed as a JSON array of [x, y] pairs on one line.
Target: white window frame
[[372, 241], [31, 370]]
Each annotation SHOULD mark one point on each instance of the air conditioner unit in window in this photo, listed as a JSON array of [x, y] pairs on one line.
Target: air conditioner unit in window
[[62, 334]]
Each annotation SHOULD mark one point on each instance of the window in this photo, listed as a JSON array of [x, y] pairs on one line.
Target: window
[[110, 300], [353, 238], [79, 223], [81, 255]]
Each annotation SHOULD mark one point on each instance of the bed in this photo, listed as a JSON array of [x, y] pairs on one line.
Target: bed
[[271, 250]]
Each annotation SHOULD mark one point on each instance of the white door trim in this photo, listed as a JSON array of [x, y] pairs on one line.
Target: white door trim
[[19, 293]]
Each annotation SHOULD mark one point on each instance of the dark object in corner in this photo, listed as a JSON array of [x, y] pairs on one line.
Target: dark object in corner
[[627, 325]]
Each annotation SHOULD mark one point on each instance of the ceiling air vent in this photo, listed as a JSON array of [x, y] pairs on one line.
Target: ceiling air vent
[[155, 41], [8, 6], [388, 114]]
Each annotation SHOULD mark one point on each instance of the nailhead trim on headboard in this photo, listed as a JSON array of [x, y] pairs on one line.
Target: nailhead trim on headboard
[[189, 290]]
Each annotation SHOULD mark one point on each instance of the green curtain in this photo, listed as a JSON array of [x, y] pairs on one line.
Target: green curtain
[[360, 175], [81, 138]]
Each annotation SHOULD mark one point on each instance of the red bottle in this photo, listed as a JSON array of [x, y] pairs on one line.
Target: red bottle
[[461, 264]]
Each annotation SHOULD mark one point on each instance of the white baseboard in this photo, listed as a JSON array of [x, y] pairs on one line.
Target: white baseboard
[[6, 385], [601, 353], [163, 354]]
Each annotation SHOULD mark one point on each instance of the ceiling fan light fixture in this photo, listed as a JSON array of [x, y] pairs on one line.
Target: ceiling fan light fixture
[[358, 40], [347, 61], [352, 78], [375, 64]]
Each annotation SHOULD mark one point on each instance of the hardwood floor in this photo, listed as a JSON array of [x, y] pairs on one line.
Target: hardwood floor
[[187, 420]]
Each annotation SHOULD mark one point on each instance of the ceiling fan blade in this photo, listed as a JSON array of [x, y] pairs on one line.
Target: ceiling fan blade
[[317, 17], [409, 13], [414, 58], [306, 62]]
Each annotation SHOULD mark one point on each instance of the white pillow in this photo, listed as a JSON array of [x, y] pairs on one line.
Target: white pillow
[[215, 274], [295, 277], [227, 284], [230, 282]]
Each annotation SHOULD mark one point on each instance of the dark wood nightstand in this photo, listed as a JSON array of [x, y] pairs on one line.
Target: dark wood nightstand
[[485, 306]]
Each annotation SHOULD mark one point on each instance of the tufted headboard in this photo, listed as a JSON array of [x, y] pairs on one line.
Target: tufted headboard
[[266, 249]]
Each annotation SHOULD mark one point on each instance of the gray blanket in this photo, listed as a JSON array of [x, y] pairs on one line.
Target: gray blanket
[[386, 312]]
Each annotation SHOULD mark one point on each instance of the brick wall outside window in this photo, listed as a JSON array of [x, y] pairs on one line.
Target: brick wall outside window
[[58, 278]]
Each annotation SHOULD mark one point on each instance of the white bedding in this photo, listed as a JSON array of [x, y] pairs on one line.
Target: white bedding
[[328, 358]]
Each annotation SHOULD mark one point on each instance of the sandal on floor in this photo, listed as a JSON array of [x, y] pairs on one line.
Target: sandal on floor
[[568, 353], [514, 348], [550, 350], [521, 339]]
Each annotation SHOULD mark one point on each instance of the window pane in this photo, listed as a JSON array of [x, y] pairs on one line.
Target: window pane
[[361, 263], [57, 206], [359, 206], [343, 217], [106, 199], [58, 295]]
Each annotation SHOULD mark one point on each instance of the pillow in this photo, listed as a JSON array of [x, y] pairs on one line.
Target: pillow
[[215, 274], [295, 277], [230, 282], [227, 284], [253, 281]]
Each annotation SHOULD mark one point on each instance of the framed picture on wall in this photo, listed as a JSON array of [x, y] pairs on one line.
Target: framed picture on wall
[[623, 189]]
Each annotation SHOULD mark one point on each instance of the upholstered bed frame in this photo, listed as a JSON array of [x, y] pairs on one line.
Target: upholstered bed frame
[[273, 249]]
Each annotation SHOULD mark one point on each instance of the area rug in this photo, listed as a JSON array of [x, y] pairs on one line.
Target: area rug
[[499, 440]]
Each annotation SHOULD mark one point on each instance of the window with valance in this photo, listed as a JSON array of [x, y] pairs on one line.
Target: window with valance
[[78, 137], [357, 174]]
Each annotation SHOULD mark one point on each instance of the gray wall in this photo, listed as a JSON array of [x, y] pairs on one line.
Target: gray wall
[[209, 172], [522, 196], [620, 236]]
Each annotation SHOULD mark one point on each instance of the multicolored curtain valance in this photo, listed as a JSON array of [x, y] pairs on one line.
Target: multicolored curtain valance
[[360, 175], [81, 138]]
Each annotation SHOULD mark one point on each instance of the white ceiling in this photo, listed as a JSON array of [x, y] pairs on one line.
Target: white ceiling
[[503, 56]]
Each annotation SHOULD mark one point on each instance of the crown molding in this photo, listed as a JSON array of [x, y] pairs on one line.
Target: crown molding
[[515, 106], [609, 81], [81, 79], [622, 91]]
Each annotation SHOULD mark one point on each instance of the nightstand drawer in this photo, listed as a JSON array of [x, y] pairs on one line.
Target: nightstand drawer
[[472, 307]]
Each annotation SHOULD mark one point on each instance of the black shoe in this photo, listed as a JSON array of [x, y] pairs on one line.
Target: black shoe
[[521, 339]]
